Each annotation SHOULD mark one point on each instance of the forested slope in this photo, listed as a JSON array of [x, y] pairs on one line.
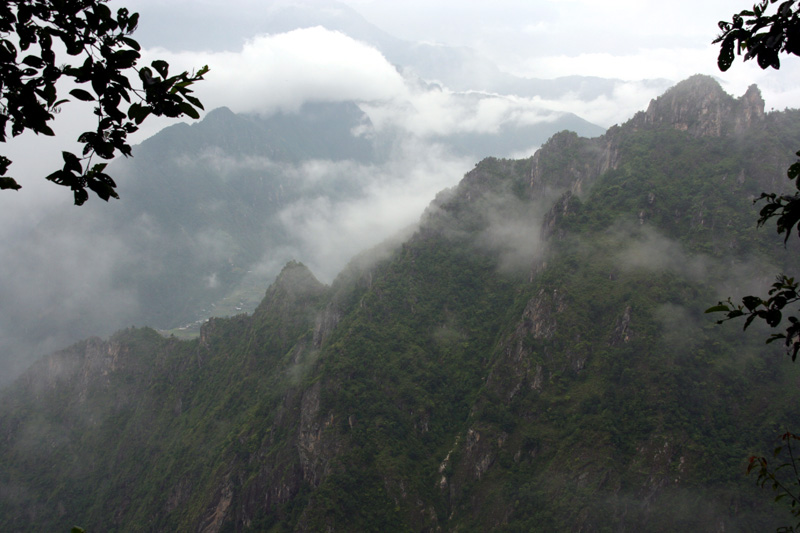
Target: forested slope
[[534, 358]]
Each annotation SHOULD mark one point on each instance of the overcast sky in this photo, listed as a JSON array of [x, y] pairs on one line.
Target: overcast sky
[[626, 39]]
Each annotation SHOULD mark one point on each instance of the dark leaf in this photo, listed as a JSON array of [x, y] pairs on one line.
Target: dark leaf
[[130, 42], [80, 196], [189, 111], [9, 183], [33, 61], [751, 302], [81, 94], [196, 102], [102, 189], [162, 67], [71, 162], [726, 55], [44, 129]]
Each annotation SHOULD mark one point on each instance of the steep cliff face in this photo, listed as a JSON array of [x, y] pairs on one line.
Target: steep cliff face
[[533, 358], [700, 107]]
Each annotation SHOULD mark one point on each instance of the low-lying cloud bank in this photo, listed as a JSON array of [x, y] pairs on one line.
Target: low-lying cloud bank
[[328, 232], [68, 276], [281, 72], [60, 278]]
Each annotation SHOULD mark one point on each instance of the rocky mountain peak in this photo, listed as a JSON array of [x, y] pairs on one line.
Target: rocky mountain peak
[[297, 281], [701, 107], [751, 108], [294, 287]]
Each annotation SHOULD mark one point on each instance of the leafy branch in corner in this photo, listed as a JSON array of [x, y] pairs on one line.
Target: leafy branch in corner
[[764, 36], [759, 35], [755, 33], [784, 478], [102, 60], [785, 208], [782, 293]]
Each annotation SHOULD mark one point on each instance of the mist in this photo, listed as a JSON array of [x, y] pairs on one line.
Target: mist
[[67, 270], [329, 233]]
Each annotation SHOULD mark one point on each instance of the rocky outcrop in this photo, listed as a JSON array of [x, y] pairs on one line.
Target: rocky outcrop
[[517, 369], [571, 163], [750, 109], [550, 223], [622, 330], [88, 365], [326, 322], [702, 108], [216, 516], [314, 449], [295, 285]]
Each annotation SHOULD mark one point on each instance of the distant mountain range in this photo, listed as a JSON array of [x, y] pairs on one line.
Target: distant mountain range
[[199, 229], [457, 67], [534, 357], [230, 176], [209, 211]]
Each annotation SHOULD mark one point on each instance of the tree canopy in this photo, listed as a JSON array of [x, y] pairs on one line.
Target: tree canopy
[[47, 46]]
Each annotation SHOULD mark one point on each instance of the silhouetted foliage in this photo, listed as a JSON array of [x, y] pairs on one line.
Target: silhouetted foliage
[[764, 36], [100, 56], [783, 478], [760, 35]]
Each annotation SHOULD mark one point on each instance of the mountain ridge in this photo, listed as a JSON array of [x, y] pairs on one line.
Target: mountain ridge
[[533, 358]]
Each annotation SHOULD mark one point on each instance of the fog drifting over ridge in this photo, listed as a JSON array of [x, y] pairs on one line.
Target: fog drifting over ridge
[[59, 284], [280, 72]]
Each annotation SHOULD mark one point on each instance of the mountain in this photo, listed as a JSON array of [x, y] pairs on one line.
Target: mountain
[[535, 357], [211, 211], [199, 230], [223, 183]]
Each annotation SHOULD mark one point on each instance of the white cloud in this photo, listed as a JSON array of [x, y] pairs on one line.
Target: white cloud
[[439, 112], [281, 72], [625, 100], [329, 233]]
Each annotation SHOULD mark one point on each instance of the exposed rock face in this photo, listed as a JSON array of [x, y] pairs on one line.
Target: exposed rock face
[[588, 158], [622, 332], [323, 405], [750, 109], [557, 212], [218, 514], [83, 366], [315, 451], [517, 369], [326, 322], [700, 107], [539, 317]]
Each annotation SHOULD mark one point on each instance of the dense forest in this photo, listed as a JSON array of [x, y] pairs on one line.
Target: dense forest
[[535, 357]]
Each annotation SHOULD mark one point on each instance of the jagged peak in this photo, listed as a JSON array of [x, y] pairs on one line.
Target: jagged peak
[[294, 283], [700, 106], [697, 84], [296, 274], [220, 112]]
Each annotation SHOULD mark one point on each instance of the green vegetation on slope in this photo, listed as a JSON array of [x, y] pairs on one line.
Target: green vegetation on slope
[[534, 358]]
